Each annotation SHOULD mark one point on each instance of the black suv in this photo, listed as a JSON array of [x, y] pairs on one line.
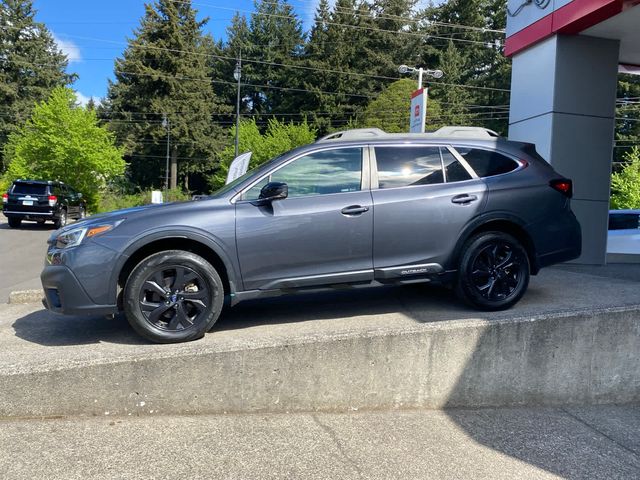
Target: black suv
[[40, 201]]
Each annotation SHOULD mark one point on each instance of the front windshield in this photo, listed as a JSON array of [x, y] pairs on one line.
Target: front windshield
[[230, 186]]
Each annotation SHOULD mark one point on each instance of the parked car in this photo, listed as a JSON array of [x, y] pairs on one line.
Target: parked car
[[624, 232], [42, 201], [457, 207]]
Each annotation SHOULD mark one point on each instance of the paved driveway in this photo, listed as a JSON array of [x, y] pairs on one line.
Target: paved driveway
[[22, 252]]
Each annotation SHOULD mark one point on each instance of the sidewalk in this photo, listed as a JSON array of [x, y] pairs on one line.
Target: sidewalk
[[575, 443]]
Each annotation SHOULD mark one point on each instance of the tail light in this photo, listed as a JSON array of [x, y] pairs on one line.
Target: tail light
[[5, 197], [53, 200], [563, 185]]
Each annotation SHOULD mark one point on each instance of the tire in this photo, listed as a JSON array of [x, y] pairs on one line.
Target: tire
[[173, 296], [14, 222], [61, 221], [493, 273]]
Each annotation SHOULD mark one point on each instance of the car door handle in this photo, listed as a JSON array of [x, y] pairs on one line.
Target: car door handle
[[354, 210], [464, 199]]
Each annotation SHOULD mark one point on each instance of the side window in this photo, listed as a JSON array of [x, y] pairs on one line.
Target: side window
[[487, 163], [404, 166], [320, 173], [453, 169]]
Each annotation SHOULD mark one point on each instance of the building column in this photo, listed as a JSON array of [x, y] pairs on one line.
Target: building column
[[563, 93]]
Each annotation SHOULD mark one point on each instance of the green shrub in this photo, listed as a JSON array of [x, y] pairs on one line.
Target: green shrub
[[625, 185], [113, 200]]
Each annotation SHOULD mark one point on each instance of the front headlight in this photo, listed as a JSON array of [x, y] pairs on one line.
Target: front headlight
[[75, 236]]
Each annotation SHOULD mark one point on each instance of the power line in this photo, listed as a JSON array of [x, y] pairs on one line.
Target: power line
[[357, 27]]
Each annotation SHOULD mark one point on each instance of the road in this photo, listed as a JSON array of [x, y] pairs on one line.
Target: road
[[22, 252], [508, 443]]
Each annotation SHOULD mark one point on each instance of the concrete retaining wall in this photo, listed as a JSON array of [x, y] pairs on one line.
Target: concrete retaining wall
[[585, 358]]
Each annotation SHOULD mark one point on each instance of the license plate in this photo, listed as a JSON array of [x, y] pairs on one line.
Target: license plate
[[27, 202]]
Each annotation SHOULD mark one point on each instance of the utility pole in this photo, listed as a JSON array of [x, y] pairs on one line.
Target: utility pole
[[166, 124], [237, 74]]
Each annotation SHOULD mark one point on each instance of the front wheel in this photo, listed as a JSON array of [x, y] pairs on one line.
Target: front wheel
[[493, 272], [173, 296]]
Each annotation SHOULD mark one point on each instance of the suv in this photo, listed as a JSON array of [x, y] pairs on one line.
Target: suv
[[41, 201], [459, 207]]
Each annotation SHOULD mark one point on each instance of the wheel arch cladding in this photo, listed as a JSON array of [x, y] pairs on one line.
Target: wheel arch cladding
[[499, 225], [176, 243]]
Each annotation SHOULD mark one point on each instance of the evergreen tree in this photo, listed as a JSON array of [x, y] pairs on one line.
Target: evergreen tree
[[237, 45], [275, 37], [461, 41], [164, 73], [337, 46], [31, 65]]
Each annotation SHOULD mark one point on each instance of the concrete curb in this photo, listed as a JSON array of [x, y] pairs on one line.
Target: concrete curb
[[26, 296], [588, 357]]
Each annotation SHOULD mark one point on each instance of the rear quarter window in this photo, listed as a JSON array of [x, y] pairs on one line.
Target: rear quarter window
[[487, 163], [403, 166]]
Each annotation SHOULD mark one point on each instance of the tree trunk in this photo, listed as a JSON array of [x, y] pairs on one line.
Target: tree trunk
[[174, 168]]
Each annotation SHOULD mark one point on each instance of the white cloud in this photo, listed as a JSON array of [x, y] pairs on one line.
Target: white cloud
[[70, 49], [83, 99]]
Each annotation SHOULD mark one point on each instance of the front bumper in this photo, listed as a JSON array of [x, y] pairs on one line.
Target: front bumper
[[64, 294]]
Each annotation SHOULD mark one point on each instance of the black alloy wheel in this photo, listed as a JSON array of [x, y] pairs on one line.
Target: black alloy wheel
[[494, 271], [173, 296]]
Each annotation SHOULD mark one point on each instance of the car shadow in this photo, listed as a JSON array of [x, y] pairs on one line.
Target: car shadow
[[421, 303], [52, 330], [28, 226]]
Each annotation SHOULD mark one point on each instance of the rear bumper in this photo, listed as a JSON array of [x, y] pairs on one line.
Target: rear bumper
[[64, 294], [568, 242], [28, 215]]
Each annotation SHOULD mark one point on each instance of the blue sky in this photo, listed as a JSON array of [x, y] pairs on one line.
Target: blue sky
[[94, 32]]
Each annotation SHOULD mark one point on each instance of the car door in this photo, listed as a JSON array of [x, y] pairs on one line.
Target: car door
[[320, 234], [423, 196], [74, 201]]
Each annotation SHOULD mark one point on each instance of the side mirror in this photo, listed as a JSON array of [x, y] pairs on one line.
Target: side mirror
[[79, 195], [273, 191]]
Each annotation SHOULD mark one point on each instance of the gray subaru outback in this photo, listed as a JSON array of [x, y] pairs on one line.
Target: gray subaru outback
[[458, 207]]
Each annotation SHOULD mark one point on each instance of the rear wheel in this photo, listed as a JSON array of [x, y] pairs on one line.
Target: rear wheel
[[62, 219], [14, 222], [173, 296], [494, 271]]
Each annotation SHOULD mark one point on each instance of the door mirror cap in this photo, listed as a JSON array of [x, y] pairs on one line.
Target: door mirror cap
[[273, 191], [79, 195]]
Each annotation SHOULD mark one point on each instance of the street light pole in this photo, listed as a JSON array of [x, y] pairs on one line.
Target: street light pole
[[167, 125], [237, 74], [421, 71]]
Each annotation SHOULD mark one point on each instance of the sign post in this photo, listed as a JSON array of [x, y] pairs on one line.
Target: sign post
[[418, 113]]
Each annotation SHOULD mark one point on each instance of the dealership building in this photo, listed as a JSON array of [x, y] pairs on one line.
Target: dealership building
[[566, 58]]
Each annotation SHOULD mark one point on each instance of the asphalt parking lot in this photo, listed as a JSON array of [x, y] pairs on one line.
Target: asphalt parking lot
[[21, 256]]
